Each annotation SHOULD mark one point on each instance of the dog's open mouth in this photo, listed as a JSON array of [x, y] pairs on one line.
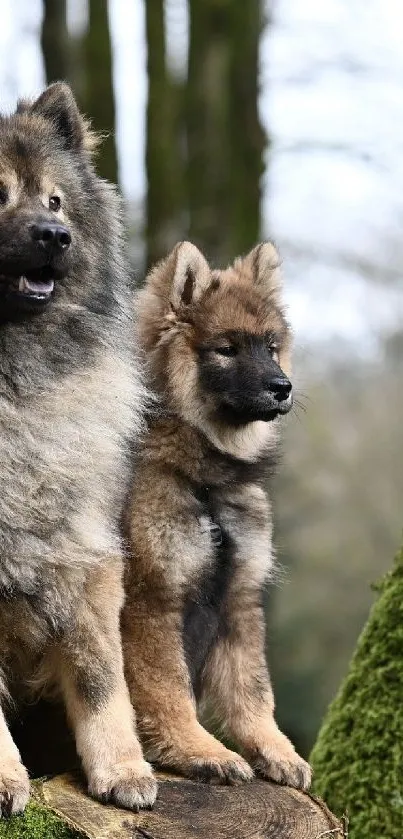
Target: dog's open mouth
[[35, 287]]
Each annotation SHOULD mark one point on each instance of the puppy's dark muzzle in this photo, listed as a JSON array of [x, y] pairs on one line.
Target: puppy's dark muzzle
[[279, 394], [265, 405]]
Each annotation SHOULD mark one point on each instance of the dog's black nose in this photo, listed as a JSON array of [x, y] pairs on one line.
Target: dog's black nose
[[51, 236], [280, 387]]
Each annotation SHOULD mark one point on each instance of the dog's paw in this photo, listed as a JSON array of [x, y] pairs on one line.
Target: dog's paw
[[14, 788], [213, 764], [229, 769], [130, 785], [277, 760]]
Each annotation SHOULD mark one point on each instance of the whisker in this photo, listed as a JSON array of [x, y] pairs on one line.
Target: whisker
[[297, 417], [298, 404], [302, 395]]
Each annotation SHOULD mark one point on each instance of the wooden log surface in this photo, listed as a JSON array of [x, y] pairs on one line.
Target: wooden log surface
[[189, 810]]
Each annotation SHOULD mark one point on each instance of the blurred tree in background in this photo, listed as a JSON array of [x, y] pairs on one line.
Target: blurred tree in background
[[87, 64], [204, 138], [225, 138], [164, 160], [338, 493], [55, 40], [98, 99]]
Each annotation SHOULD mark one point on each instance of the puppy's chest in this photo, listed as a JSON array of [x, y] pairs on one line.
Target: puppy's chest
[[238, 525], [204, 616]]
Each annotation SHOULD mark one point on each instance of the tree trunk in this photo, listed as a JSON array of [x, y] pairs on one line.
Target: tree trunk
[[98, 100], [163, 158], [225, 138], [55, 40], [246, 132], [207, 127]]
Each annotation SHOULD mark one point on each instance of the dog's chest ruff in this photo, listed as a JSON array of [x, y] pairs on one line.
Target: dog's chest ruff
[[209, 518], [204, 613], [61, 466]]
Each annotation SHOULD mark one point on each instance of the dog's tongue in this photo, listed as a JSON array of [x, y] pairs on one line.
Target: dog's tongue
[[29, 286]]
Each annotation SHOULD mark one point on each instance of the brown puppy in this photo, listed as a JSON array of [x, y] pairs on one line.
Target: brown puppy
[[70, 395], [199, 521]]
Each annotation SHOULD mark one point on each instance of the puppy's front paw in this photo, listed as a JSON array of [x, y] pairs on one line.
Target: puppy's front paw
[[206, 759], [14, 788], [277, 760], [230, 768], [130, 785]]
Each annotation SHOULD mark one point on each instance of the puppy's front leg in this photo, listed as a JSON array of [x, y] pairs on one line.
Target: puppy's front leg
[[97, 699], [237, 682], [160, 689]]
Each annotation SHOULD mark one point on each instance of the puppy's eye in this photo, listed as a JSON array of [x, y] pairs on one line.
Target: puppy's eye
[[3, 195], [55, 203], [227, 352]]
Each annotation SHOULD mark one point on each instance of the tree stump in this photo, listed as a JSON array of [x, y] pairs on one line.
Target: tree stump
[[61, 809], [189, 810]]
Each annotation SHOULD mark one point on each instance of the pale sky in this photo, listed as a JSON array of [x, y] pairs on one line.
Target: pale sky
[[332, 100]]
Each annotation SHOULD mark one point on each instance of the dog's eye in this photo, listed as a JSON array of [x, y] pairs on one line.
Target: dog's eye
[[55, 203], [273, 350], [227, 352], [3, 195]]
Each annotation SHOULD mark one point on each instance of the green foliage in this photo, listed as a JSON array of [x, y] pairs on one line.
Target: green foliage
[[36, 823], [358, 757]]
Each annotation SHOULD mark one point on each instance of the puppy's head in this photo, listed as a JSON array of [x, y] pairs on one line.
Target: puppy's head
[[217, 340]]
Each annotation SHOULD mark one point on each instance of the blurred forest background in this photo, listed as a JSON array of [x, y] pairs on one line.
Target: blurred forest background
[[227, 122]]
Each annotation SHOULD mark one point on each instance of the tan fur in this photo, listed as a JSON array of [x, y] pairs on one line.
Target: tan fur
[[197, 472]]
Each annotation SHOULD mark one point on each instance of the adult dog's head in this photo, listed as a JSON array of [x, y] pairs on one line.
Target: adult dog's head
[[52, 223]]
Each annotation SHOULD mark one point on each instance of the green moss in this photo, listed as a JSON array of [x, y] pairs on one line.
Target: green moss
[[36, 823], [358, 757]]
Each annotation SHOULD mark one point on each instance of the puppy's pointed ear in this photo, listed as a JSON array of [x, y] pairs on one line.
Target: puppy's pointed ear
[[264, 264], [58, 105], [191, 275]]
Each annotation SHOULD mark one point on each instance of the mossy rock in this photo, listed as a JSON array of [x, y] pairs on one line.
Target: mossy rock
[[358, 757]]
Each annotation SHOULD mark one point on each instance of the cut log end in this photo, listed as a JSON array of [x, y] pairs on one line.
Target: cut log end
[[188, 810]]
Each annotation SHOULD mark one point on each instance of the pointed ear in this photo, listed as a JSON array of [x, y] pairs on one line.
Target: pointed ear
[[58, 105], [264, 263], [191, 275]]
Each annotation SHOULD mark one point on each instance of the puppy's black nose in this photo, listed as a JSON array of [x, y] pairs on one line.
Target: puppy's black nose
[[280, 387], [51, 236]]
